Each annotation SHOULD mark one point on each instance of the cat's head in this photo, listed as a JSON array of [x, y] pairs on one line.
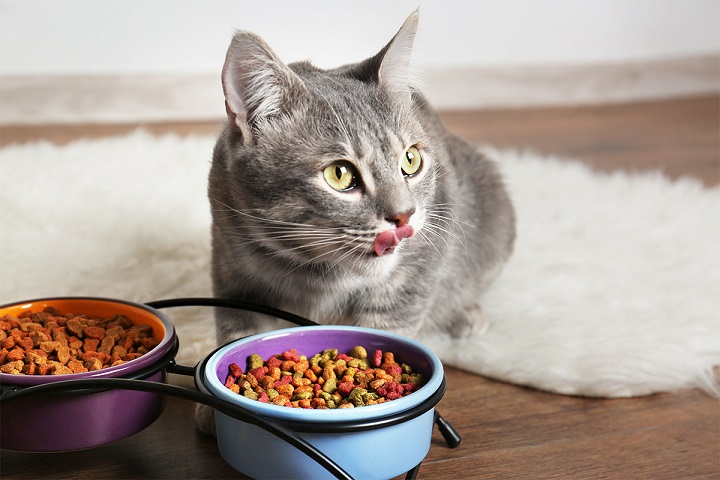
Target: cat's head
[[328, 168]]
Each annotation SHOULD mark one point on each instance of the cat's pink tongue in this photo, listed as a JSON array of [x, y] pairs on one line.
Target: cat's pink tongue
[[386, 241]]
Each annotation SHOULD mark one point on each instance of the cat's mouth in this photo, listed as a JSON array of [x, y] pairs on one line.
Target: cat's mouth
[[387, 240]]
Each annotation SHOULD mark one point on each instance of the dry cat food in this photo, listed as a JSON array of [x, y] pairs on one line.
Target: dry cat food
[[54, 343], [327, 380]]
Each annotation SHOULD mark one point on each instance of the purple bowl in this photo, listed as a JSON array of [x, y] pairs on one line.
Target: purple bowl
[[75, 420]]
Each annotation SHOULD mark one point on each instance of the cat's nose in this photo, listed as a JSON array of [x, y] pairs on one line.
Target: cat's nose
[[400, 219], [386, 241]]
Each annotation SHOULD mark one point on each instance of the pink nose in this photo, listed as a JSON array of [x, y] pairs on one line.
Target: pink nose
[[401, 219], [386, 241]]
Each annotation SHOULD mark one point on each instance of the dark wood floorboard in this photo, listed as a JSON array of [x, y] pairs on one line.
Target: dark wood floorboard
[[508, 432]]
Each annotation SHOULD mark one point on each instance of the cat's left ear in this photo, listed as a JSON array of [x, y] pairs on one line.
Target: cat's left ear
[[394, 73], [257, 85]]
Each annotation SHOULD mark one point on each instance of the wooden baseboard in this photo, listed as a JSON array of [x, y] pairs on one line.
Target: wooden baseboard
[[26, 100]]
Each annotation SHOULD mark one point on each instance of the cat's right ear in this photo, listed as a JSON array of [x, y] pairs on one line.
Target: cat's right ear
[[256, 83]]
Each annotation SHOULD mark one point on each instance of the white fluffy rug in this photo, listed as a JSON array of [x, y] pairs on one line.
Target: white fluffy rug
[[613, 290]]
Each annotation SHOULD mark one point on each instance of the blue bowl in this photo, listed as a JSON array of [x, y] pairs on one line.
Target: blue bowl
[[375, 441]]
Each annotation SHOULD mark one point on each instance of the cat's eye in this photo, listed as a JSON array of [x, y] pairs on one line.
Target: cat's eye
[[412, 162], [340, 175]]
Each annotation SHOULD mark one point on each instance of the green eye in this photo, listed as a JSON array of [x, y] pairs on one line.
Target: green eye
[[340, 175], [412, 162]]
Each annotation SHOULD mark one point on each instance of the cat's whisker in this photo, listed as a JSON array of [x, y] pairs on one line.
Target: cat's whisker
[[273, 223], [450, 215], [307, 238], [436, 229], [315, 258], [284, 235], [301, 235], [445, 213], [311, 245], [263, 241], [311, 237], [342, 257], [363, 236], [300, 226], [300, 264], [446, 206], [448, 221], [432, 244], [291, 231]]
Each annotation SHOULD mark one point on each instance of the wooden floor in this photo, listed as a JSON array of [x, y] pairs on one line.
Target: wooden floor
[[508, 432]]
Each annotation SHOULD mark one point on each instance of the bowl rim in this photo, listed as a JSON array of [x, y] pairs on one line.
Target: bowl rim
[[434, 385], [144, 362]]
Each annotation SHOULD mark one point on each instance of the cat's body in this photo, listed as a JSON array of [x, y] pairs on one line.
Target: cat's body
[[339, 196]]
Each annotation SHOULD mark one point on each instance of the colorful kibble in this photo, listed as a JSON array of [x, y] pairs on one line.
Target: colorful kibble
[[52, 343], [327, 380]]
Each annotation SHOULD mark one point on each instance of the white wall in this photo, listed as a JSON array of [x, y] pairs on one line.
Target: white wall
[[159, 60], [190, 36]]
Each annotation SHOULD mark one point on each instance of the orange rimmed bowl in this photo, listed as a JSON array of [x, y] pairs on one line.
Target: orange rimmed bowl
[[74, 420]]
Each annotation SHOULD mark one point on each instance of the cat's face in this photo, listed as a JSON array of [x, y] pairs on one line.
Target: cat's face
[[330, 169]]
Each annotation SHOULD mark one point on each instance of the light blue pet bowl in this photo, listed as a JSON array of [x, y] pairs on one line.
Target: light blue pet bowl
[[371, 442]]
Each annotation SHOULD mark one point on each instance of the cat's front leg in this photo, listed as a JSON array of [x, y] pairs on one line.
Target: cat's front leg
[[232, 324], [470, 321], [205, 419]]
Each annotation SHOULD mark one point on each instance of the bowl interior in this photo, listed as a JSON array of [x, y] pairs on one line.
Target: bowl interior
[[311, 340], [162, 330], [95, 307]]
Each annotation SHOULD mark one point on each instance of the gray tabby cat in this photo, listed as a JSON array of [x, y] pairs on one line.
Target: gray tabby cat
[[339, 196]]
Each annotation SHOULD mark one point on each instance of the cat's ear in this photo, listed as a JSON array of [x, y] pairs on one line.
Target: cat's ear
[[394, 72], [257, 84]]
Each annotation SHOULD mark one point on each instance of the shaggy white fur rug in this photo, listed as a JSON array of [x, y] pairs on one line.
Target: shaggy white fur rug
[[613, 289]]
